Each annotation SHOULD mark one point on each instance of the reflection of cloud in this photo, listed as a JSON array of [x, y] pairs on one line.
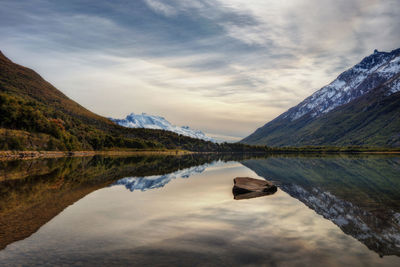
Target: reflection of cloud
[[378, 233], [230, 58], [278, 232], [194, 224], [340, 190]]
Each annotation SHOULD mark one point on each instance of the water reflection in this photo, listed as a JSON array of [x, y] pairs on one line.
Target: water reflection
[[32, 192], [195, 221], [158, 181], [361, 195]]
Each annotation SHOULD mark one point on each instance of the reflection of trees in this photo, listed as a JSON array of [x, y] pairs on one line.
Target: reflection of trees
[[33, 192]]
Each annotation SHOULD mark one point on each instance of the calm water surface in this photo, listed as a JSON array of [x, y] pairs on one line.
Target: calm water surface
[[328, 211]]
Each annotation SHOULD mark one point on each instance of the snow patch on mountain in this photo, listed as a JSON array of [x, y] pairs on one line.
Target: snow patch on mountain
[[391, 68], [156, 122], [372, 71], [394, 87]]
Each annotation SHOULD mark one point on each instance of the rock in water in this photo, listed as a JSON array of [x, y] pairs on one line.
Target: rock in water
[[246, 187]]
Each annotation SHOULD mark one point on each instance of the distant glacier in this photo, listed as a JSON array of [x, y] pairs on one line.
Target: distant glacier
[[156, 122]]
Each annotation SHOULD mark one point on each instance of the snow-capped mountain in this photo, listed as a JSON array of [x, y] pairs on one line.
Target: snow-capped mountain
[[360, 107], [372, 71], [158, 181], [156, 122]]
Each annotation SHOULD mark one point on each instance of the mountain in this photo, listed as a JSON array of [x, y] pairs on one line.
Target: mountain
[[34, 115], [156, 122], [360, 107]]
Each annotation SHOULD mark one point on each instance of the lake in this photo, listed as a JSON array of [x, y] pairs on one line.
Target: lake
[[337, 210]]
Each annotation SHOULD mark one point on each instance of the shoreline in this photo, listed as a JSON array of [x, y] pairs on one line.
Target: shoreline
[[21, 155], [26, 155]]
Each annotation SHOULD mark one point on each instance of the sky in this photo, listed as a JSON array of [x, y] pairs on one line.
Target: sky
[[225, 67]]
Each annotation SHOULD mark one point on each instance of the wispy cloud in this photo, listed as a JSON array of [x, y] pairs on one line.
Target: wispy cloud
[[161, 7], [223, 66]]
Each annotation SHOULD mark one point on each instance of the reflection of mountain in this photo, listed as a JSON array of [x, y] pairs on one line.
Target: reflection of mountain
[[33, 192], [378, 231], [158, 181], [361, 195]]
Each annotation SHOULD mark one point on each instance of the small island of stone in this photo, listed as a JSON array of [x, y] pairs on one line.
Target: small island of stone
[[246, 188]]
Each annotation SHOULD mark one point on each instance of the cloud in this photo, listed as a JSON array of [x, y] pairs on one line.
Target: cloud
[[242, 62], [161, 7]]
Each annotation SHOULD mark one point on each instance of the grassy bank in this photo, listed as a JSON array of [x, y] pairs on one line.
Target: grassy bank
[[11, 155]]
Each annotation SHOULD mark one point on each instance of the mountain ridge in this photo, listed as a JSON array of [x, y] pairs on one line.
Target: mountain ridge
[[355, 97], [349, 85]]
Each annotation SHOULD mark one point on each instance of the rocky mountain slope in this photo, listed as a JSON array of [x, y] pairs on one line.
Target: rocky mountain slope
[[360, 107]]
